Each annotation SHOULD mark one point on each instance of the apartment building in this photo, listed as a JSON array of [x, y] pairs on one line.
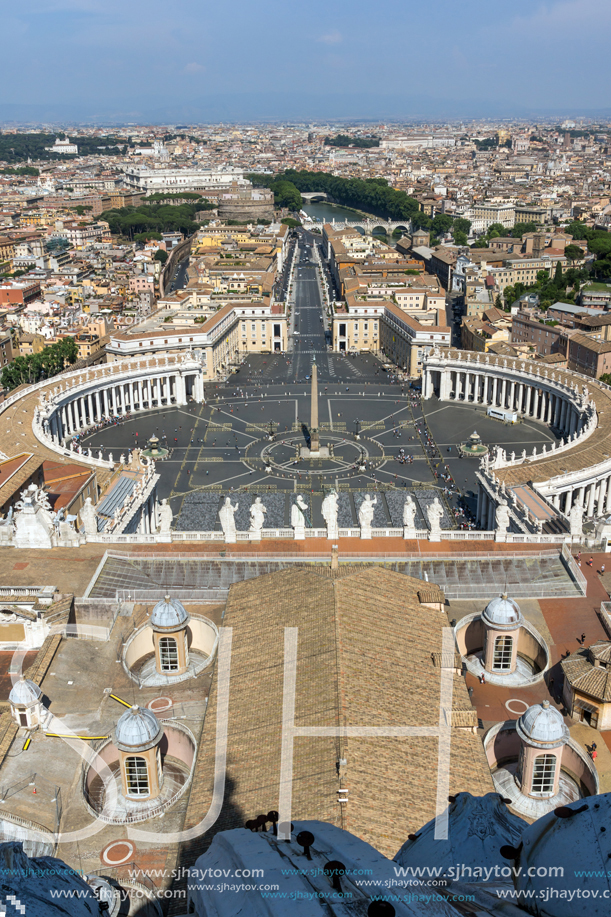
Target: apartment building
[[544, 339], [384, 326], [483, 215], [589, 356], [596, 294], [142, 178], [525, 270], [223, 340]]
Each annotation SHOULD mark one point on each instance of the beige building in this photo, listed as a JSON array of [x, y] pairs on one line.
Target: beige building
[[478, 335], [384, 326]]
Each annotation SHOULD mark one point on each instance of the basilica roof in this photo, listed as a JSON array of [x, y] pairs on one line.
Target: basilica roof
[[366, 656]]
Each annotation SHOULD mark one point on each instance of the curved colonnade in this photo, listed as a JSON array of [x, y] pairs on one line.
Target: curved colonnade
[[83, 399], [576, 471]]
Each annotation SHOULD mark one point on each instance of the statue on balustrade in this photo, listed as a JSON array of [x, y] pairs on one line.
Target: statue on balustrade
[[576, 520], [366, 511], [502, 517], [299, 517], [257, 517], [409, 517], [226, 516], [88, 517], [435, 515], [329, 512], [165, 518]]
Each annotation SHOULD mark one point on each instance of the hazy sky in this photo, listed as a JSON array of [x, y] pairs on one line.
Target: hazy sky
[[197, 60]]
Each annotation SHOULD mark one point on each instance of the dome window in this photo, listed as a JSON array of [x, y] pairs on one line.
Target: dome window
[[168, 654], [503, 654], [136, 776], [544, 775]]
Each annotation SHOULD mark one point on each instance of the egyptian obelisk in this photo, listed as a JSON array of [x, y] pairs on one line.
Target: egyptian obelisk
[[314, 443]]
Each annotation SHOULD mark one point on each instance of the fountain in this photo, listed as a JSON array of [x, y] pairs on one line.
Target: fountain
[[154, 450], [474, 446]]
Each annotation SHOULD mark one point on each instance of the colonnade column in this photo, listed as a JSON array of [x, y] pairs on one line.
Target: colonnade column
[[491, 514]]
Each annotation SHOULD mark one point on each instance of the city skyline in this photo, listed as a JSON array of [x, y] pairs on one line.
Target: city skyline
[[90, 61]]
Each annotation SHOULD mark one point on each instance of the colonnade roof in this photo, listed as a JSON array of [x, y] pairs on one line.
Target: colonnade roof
[[592, 451]]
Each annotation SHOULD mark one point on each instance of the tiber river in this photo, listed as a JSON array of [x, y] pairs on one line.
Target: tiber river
[[329, 212]]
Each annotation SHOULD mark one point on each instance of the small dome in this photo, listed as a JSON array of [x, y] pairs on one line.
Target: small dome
[[542, 725], [503, 612], [137, 730], [169, 614], [24, 693]]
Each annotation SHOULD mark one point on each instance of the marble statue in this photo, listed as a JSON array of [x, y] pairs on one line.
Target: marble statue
[[298, 517], [165, 518], [88, 517], [257, 517], [226, 514], [329, 512], [366, 511], [435, 514], [576, 520], [34, 523], [501, 516], [409, 517]]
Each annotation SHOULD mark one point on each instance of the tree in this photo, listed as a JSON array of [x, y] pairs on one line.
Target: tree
[[287, 195], [521, 229], [558, 278], [606, 378], [161, 255], [462, 225], [460, 238], [147, 236], [498, 228], [441, 223], [573, 252], [290, 222]]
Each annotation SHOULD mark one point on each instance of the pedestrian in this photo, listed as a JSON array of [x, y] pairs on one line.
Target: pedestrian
[[583, 639], [593, 746], [602, 568], [594, 755], [590, 562]]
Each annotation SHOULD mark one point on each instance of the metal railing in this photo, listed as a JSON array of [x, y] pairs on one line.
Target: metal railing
[[152, 811]]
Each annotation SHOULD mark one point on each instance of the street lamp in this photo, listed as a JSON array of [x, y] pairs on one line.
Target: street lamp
[[271, 429], [358, 429]]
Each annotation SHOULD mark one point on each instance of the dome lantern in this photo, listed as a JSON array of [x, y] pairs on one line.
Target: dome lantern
[[170, 621], [542, 733], [502, 620], [25, 699], [138, 734]]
